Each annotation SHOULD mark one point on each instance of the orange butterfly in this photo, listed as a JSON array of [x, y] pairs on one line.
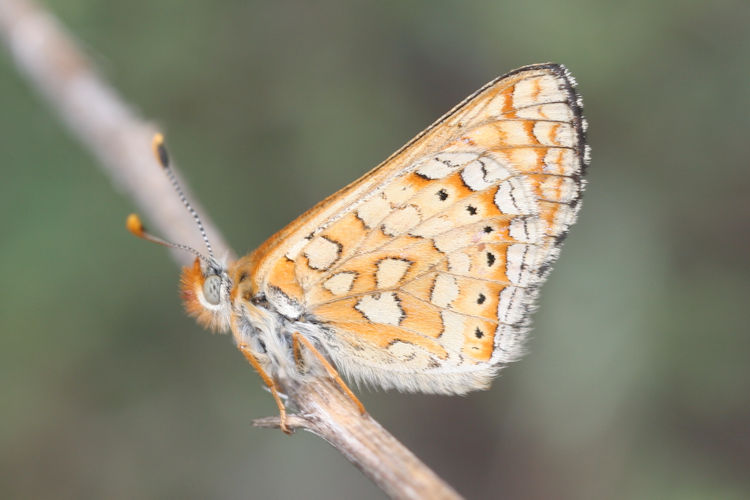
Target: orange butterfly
[[422, 274]]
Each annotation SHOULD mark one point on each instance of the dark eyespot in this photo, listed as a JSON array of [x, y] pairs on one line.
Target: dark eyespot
[[442, 194], [488, 229], [481, 298], [472, 210], [478, 333]]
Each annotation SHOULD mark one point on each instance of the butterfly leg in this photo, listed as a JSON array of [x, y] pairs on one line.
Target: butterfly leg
[[299, 338], [270, 383], [296, 350]]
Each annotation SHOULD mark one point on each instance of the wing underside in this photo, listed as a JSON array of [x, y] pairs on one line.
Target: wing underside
[[421, 275]]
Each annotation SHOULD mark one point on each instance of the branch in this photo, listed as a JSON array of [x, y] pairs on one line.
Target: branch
[[327, 412], [121, 141]]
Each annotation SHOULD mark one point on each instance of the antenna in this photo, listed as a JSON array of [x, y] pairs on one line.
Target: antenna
[[160, 152], [135, 226]]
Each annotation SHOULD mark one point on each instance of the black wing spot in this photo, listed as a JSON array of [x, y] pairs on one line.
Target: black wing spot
[[490, 259], [442, 194], [478, 333], [488, 229], [481, 298], [472, 210]]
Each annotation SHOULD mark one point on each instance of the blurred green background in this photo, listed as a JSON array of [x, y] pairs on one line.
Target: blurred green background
[[637, 384]]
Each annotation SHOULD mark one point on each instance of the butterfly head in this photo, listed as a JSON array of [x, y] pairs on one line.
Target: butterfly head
[[205, 289]]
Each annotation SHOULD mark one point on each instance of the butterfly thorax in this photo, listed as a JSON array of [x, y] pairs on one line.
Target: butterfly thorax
[[260, 318]]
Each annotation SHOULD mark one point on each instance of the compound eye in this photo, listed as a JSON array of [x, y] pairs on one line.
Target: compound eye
[[212, 290]]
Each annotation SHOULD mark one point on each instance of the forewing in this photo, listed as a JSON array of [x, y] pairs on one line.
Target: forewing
[[423, 273]]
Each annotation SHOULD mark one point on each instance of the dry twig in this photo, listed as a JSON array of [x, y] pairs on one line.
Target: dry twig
[[121, 140]]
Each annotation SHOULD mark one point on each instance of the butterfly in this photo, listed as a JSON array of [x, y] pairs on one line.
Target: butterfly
[[421, 275]]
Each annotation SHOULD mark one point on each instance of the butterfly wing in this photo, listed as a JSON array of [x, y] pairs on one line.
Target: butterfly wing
[[422, 274]]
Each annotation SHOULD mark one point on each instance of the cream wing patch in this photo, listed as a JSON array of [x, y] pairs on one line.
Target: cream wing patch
[[444, 290], [321, 253], [557, 111], [401, 219], [409, 353], [533, 91], [444, 164], [390, 272], [513, 198], [453, 334], [483, 173], [381, 308], [340, 283], [371, 211], [459, 263]]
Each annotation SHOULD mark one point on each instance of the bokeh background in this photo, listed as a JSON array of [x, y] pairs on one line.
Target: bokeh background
[[637, 384]]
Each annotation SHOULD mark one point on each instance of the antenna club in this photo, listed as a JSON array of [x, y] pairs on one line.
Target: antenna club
[[160, 150], [134, 225]]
